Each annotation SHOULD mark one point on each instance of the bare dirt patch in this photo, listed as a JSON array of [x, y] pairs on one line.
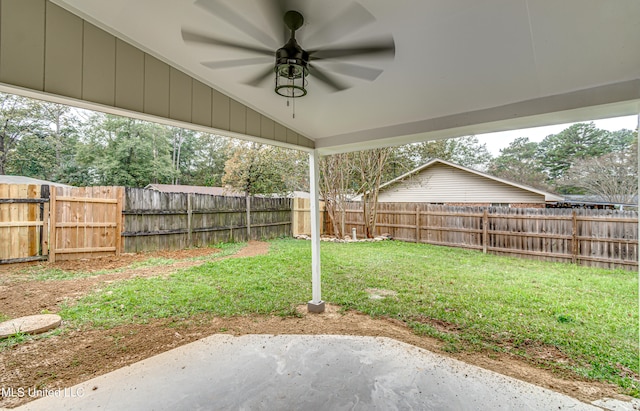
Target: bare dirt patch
[[378, 293], [78, 355], [440, 325], [19, 297]]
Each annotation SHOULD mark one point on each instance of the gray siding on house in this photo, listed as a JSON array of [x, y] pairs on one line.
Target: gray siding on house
[[45, 48], [441, 183]]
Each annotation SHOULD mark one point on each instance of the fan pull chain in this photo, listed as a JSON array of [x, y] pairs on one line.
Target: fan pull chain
[[292, 105]]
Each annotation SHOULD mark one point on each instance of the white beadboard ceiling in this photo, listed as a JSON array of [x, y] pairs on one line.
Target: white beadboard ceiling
[[460, 66]]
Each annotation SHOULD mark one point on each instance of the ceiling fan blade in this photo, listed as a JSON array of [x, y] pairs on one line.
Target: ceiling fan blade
[[235, 63], [354, 70], [218, 8], [261, 77], [193, 37], [326, 79], [349, 20], [275, 10], [385, 48]]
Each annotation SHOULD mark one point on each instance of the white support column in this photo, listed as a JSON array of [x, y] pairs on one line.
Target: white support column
[[316, 305]]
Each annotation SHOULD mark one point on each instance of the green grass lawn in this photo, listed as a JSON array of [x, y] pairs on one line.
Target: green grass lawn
[[469, 300]]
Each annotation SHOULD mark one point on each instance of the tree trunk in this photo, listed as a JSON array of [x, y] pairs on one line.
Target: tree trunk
[[330, 206], [371, 166], [178, 164], [3, 148], [178, 140], [3, 154], [58, 114]]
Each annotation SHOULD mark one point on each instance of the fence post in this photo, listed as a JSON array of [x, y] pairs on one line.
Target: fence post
[[32, 216], [119, 217], [294, 217], [485, 230], [52, 225], [417, 224], [44, 217], [189, 227], [248, 204], [574, 237]]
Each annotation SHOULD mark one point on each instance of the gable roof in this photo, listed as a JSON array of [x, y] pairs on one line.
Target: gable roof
[[547, 195], [7, 179], [178, 188]]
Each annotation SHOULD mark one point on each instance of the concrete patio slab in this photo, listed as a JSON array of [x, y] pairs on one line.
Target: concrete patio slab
[[289, 372]]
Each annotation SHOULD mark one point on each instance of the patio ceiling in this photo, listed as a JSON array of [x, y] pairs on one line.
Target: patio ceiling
[[460, 67]]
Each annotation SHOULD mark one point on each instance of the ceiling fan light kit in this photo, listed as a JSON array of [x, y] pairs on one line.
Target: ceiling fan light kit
[[291, 79], [292, 62]]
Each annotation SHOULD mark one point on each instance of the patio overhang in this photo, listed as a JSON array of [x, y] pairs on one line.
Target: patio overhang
[[459, 68], [612, 100]]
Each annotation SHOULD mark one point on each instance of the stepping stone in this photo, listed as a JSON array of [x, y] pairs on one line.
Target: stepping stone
[[32, 324]]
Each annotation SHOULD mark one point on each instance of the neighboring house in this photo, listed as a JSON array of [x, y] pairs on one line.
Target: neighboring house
[[597, 202], [6, 179], [442, 182], [176, 188]]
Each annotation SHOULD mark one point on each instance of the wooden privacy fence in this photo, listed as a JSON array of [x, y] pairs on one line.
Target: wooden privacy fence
[[58, 223], [604, 238], [160, 221], [73, 223], [85, 222], [23, 230]]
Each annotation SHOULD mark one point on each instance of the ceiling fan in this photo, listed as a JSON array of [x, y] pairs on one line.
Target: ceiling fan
[[291, 64]]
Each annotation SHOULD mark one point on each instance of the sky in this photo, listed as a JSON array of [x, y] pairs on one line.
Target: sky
[[497, 141]]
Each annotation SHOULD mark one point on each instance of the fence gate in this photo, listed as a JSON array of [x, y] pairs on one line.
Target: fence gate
[[85, 222], [301, 216], [23, 219]]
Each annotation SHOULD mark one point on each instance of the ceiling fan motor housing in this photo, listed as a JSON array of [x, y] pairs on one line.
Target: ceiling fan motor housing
[[292, 61]]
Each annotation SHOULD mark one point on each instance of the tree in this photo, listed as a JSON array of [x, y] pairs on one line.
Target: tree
[[345, 175], [255, 168], [30, 130], [185, 145], [400, 161], [32, 157], [370, 165], [612, 177], [211, 152], [465, 151], [335, 179], [622, 140], [259, 169], [558, 152], [125, 151], [519, 162], [19, 117], [61, 128]]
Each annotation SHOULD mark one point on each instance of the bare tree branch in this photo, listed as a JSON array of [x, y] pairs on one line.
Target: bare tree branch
[[613, 176]]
